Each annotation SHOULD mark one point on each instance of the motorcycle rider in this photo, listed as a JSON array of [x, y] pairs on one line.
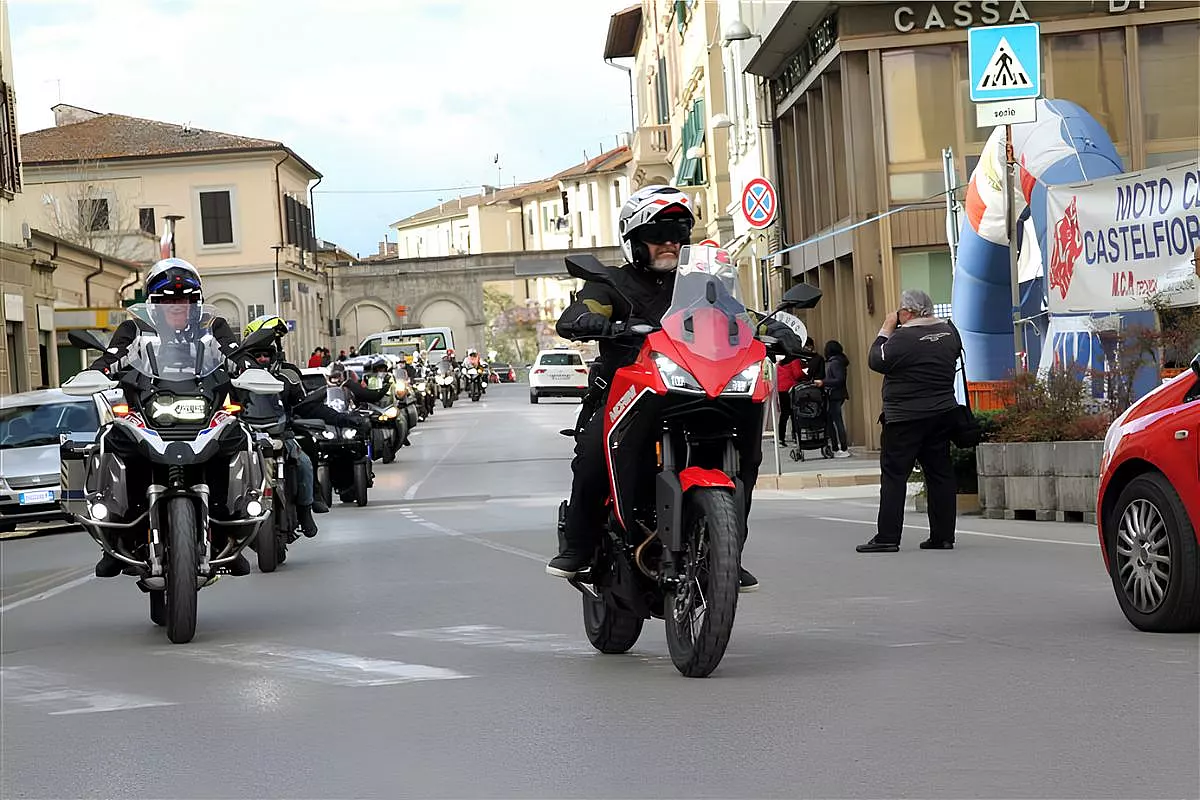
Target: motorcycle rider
[[271, 358], [172, 287], [654, 223], [340, 376], [476, 363]]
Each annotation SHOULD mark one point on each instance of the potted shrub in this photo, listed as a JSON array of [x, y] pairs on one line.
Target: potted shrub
[[1042, 460]]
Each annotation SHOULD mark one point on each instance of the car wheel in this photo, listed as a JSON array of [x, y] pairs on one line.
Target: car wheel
[[533, 396], [1153, 557], [7, 527]]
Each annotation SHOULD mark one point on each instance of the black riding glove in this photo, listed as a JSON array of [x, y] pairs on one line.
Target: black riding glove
[[592, 324]]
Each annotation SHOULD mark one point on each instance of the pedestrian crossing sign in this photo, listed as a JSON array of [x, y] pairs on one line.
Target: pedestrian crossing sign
[[1005, 62]]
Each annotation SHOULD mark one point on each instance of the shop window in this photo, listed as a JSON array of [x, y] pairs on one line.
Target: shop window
[[1169, 57], [929, 271], [1089, 69], [919, 105]]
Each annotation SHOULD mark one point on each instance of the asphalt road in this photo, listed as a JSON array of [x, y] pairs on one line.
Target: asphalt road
[[415, 648]]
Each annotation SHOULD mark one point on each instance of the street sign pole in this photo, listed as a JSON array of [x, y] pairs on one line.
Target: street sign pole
[[1010, 224]]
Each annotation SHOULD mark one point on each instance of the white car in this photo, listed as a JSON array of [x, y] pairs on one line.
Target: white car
[[557, 373]]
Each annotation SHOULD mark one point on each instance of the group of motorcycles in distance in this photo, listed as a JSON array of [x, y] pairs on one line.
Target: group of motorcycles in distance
[[196, 458]]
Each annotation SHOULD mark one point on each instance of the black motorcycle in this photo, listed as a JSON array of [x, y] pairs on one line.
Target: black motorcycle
[[473, 378], [447, 383], [343, 454], [143, 489]]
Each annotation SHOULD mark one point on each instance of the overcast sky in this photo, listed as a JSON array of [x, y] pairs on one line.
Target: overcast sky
[[376, 94]]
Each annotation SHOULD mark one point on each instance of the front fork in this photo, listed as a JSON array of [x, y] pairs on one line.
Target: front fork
[[669, 502], [156, 494]]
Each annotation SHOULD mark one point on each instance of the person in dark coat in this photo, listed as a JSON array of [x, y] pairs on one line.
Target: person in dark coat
[[917, 353], [836, 364]]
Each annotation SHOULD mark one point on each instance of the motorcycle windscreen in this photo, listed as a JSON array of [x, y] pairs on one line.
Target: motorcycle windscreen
[[176, 341], [706, 319]]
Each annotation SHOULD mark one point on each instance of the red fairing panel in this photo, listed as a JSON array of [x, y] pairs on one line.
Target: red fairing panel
[[710, 478]]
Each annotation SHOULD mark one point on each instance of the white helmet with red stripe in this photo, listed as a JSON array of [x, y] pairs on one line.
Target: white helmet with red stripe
[[643, 207]]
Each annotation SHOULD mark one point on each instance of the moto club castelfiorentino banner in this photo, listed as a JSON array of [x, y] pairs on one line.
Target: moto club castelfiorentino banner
[[1114, 243]]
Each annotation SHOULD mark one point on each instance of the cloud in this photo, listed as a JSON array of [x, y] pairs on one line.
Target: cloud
[[377, 95]]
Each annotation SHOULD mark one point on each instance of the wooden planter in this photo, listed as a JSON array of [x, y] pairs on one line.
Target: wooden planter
[[1039, 480]]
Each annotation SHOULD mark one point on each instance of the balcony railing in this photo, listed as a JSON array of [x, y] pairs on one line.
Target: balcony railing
[[652, 145]]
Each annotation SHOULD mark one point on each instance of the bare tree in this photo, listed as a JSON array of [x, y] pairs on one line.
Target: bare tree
[[87, 208]]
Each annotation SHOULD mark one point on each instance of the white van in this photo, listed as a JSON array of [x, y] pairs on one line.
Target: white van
[[399, 343]]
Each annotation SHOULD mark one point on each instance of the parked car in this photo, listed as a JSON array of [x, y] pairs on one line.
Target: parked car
[[30, 426], [557, 373], [1148, 509], [503, 373]]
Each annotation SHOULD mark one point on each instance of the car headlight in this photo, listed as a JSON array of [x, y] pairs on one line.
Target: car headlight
[[349, 433], [674, 376], [745, 381], [389, 413], [328, 434]]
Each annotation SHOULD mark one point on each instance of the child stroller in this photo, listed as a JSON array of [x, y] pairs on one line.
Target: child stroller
[[810, 420]]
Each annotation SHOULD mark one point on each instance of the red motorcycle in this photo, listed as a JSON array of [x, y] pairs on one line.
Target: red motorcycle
[[672, 548]]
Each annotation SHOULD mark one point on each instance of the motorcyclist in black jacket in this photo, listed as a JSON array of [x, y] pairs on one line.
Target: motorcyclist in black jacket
[[271, 357], [654, 223]]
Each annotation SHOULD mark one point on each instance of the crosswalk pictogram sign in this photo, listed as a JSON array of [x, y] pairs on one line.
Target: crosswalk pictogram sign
[[1005, 62]]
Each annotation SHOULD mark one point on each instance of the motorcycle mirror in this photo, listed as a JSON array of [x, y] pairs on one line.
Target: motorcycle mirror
[[258, 381], [88, 383], [587, 267], [84, 340], [1196, 365]]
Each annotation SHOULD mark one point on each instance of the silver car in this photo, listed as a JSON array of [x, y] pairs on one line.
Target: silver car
[[30, 426]]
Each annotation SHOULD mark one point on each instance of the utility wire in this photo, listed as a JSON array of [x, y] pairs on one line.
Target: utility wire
[[398, 191]]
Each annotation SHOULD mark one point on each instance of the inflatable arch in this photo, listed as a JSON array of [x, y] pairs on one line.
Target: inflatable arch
[[1065, 145]]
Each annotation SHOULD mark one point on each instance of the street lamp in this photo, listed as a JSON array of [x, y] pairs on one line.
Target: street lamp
[[277, 248]]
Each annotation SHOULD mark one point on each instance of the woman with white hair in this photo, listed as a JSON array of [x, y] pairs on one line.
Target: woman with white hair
[[917, 353]]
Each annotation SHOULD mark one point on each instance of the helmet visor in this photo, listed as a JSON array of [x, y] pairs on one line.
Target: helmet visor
[[661, 231]]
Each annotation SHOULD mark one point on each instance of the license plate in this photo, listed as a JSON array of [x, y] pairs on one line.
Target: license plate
[[33, 498], [559, 377]]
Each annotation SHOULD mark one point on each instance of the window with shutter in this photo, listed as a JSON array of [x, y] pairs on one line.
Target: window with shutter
[[289, 209], [216, 218], [10, 162]]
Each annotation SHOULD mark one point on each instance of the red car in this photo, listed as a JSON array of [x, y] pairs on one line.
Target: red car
[[1148, 508]]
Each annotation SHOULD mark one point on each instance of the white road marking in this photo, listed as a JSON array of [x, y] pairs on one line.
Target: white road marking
[[37, 687], [46, 594], [503, 548], [503, 638], [412, 490], [924, 644], [971, 533], [321, 666]]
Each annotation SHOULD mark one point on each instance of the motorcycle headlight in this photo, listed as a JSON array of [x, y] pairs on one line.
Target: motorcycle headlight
[[745, 381], [420, 386], [328, 434], [389, 413], [674, 376], [349, 433]]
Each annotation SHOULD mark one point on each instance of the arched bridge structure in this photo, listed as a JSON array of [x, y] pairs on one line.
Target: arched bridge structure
[[436, 291]]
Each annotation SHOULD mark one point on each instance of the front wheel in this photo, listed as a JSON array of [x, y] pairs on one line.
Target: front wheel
[[266, 542], [360, 483], [533, 397], [609, 629], [1153, 559], [181, 570], [699, 614]]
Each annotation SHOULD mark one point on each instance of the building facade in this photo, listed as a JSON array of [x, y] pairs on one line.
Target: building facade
[[862, 99], [680, 84], [242, 209]]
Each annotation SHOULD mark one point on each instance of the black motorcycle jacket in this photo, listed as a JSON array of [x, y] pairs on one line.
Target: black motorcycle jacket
[[641, 295], [129, 330]]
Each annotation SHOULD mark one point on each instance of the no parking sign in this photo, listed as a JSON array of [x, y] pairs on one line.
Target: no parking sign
[[760, 203]]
